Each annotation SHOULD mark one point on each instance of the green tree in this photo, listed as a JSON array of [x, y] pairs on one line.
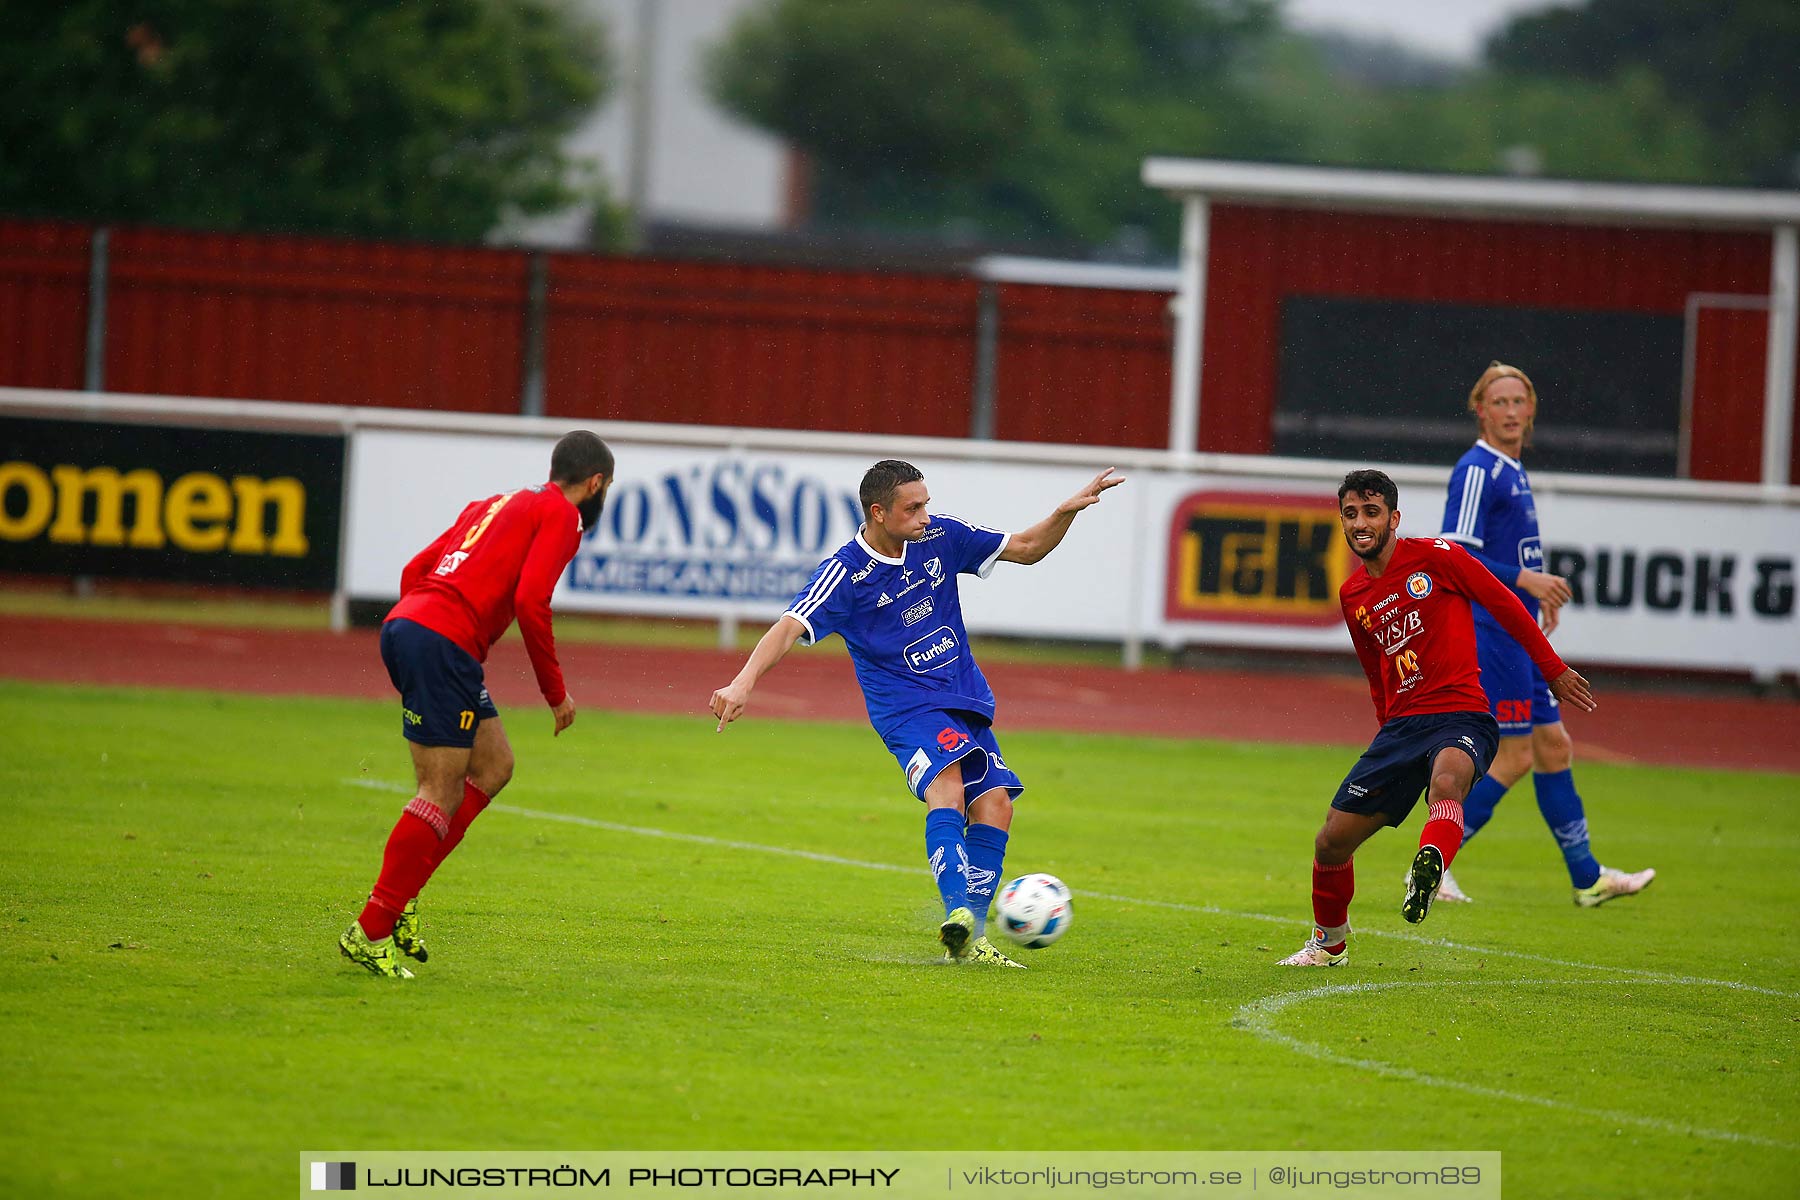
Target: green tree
[[420, 118], [1626, 129], [1026, 117], [1481, 121], [1735, 64], [870, 85], [1130, 79]]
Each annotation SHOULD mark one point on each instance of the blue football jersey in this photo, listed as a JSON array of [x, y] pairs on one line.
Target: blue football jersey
[[1491, 512], [902, 619]]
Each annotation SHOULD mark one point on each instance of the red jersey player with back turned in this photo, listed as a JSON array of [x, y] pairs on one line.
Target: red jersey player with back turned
[[1407, 608], [500, 559]]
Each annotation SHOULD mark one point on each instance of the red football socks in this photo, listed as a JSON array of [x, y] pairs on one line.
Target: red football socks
[[473, 801], [405, 865], [1444, 829], [1333, 886]]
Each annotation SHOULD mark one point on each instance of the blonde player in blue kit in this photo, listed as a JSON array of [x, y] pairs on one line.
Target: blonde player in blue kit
[[891, 593], [1490, 511]]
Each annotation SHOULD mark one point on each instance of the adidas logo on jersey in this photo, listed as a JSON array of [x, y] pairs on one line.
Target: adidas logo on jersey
[[885, 599]]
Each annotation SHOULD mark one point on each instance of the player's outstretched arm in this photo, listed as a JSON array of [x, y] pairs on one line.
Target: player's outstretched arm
[[1031, 545], [1571, 688], [1552, 591], [729, 702], [552, 546], [1478, 584]]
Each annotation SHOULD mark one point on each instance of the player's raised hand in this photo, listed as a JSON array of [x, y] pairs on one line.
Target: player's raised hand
[[728, 704], [564, 714], [1091, 493], [1571, 688]]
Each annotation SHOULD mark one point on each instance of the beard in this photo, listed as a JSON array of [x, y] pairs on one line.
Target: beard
[[1382, 537], [591, 508]]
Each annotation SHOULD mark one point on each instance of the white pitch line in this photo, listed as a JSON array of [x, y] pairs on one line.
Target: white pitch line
[[647, 831], [703, 840], [1257, 1018], [1446, 944], [1175, 906]]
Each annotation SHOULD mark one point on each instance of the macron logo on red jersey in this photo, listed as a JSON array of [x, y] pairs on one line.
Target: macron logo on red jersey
[[452, 560]]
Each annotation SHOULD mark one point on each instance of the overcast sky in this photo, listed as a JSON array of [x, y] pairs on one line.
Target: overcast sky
[[1447, 28]]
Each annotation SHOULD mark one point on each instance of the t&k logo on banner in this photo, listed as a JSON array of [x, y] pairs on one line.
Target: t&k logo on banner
[[717, 528], [1252, 557]]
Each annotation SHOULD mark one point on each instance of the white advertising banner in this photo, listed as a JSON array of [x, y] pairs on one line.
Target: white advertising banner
[[1675, 583], [1696, 583], [707, 532], [1250, 560]]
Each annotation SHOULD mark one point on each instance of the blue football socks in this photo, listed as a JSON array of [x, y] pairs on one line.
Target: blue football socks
[[1479, 806], [987, 856], [948, 855], [1561, 806]]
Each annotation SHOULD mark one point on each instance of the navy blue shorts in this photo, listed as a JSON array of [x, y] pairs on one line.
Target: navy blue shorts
[[1517, 694], [927, 742], [1392, 773], [442, 694]]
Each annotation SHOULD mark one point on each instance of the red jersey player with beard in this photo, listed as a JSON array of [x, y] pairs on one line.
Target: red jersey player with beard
[[499, 560], [1407, 609]]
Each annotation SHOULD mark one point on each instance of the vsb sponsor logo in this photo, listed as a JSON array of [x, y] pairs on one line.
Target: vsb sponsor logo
[[1236, 556]]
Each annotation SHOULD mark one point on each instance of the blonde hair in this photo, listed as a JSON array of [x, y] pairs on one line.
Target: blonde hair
[[1499, 370]]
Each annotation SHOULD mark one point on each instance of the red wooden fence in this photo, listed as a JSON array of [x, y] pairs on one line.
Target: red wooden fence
[[424, 326], [642, 340]]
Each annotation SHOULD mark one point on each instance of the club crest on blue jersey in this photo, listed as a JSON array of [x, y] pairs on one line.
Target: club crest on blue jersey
[[1418, 585]]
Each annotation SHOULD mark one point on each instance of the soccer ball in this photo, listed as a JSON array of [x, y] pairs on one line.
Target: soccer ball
[[1035, 910]]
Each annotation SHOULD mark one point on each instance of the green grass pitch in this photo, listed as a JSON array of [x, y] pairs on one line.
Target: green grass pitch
[[177, 866]]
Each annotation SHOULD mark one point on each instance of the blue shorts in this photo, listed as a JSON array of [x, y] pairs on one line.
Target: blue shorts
[[1517, 694], [1396, 767], [442, 695], [927, 742]]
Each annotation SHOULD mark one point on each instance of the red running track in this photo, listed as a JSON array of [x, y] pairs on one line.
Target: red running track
[[1274, 706]]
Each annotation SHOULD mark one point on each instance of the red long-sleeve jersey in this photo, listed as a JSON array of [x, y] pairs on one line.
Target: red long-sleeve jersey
[[501, 558], [1414, 634]]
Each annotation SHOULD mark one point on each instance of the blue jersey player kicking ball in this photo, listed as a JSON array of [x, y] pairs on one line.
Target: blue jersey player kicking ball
[[891, 593], [1491, 512]]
